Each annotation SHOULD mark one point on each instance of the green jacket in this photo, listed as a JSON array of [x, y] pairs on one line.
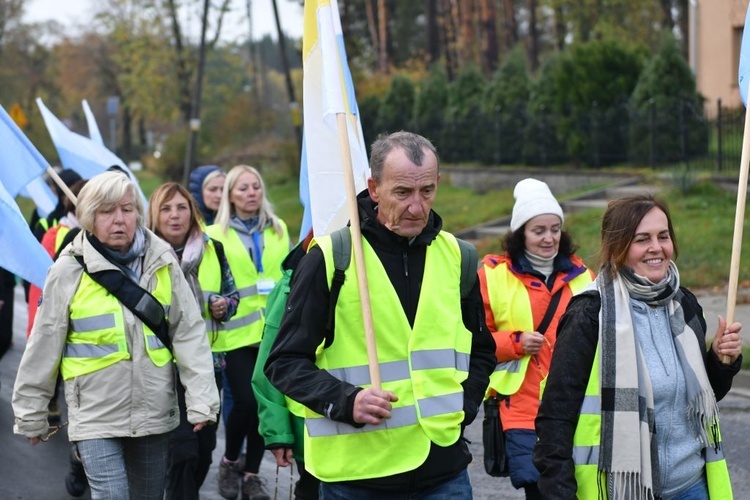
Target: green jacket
[[278, 427]]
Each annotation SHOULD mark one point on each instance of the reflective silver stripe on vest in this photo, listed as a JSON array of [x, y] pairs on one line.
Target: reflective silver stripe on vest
[[92, 323], [235, 323], [154, 342], [360, 375], [714, 455], [322, 427], [513, 366], [591, 405], [586, 455], [89, 350], [439, 358], [248, 291], [440, 405]]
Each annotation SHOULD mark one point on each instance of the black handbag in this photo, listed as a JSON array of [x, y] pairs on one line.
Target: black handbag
[[493, 439]]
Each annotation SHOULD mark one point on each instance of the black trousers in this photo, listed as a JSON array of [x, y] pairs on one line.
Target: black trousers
[[306, 487], [189, 454], [7, 282]]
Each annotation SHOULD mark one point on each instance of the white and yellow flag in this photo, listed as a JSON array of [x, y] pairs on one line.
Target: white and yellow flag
[[327, 91]]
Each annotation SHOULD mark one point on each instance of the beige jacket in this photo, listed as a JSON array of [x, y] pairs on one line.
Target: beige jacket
[[131, 398]]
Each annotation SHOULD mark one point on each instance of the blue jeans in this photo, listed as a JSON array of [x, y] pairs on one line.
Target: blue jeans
[[519, 444], [125, 468], [456, 488], [698, 491]]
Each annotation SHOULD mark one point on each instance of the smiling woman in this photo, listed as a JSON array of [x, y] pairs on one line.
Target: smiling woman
[[525, 294], [174, 216], [635, 345]]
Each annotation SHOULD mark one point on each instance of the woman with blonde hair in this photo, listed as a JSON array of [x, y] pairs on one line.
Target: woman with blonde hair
[[174, 216], [116, 315], [256, 241]]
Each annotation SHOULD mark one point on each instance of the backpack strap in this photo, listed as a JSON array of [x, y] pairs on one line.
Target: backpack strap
[[341, 240], [144, 305], [469, 266]]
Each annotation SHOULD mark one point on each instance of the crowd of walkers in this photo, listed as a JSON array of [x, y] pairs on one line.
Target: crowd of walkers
[[154, 323]]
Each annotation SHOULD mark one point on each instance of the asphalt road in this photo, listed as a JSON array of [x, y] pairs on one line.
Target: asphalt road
[[38, 472]]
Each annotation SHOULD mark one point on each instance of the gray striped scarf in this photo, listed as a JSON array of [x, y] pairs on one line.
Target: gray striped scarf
[[627, 450]]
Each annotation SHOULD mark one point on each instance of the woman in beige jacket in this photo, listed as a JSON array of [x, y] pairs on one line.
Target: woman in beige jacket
[[119, 378]]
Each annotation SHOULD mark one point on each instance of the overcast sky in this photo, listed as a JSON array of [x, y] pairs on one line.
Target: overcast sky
[[74, 12]]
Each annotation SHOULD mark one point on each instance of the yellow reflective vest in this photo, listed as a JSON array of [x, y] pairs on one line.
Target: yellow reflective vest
[[423, 365], [512, 310], [592, 483], [209, 277], [246, 327], [96, 336]]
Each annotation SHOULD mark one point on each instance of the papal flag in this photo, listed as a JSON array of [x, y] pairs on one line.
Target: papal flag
[[328, 90]]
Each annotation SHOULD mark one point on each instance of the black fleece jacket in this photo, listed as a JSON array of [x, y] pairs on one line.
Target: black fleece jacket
[[577, 339], [291, 364]]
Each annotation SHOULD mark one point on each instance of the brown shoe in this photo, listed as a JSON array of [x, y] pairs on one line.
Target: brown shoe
[[229, 480], [252, 488]]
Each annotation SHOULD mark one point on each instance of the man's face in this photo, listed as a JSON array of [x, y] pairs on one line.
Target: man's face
[[405, 193]]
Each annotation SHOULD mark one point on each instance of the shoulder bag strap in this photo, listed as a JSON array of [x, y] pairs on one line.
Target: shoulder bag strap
[[144, 305], [547, 319]]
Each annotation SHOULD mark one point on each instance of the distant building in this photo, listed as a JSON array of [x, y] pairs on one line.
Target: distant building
[[715, 28]]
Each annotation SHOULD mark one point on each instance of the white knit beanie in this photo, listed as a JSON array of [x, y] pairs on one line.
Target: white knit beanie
[[533, 198]]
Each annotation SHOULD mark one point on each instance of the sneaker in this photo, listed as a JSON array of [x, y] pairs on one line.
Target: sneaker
[[75, 481], [253, 489], [229, 480]]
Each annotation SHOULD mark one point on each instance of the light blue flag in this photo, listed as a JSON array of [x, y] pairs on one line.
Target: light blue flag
[[744, 71], [79, 153], [94, 132], [43, 197], [21, 253], [20, 161]]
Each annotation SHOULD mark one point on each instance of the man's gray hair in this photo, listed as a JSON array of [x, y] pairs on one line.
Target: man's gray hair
[[412, 144]]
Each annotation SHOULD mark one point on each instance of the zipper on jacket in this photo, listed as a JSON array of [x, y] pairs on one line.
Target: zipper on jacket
[[406, 263]]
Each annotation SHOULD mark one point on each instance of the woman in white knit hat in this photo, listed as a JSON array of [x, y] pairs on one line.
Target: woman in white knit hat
[[525, 292]]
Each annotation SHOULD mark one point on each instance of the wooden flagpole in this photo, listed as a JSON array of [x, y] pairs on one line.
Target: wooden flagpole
[[359, 258], [61, 184], [739, 221]]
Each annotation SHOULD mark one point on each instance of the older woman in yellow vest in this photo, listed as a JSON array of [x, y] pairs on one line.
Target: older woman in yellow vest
[[629, 410], [255, 242], [525, 292], [174, 216], [115, 345]]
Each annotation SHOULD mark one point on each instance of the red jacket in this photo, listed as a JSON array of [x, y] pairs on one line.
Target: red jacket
[[519, 410], [50, 243]]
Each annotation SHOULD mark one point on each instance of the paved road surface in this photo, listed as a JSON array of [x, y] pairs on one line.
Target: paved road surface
[[38, 472]]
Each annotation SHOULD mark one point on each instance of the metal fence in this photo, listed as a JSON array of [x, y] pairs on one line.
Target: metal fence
[[671, 133]]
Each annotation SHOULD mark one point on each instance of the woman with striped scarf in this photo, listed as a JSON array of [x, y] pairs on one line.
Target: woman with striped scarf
[[629, 410]]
